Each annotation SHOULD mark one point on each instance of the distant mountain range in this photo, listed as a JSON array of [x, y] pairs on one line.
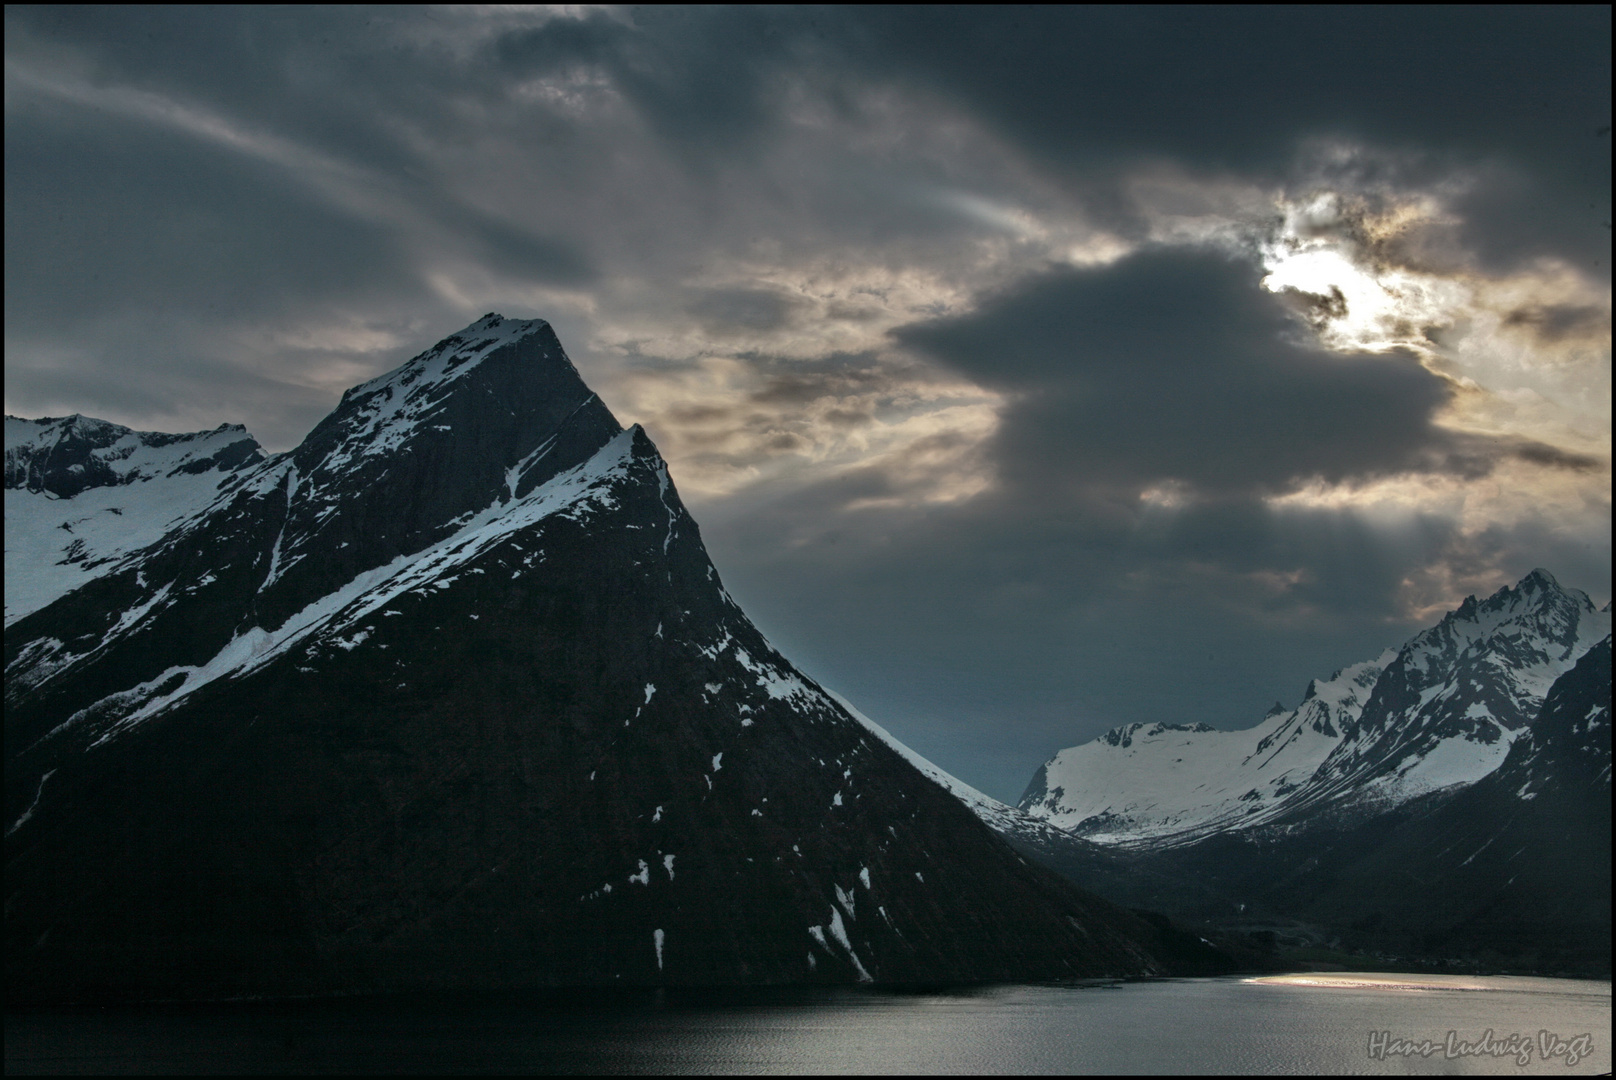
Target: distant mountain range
[[1440, 712], [1450, 798], [451, 695]]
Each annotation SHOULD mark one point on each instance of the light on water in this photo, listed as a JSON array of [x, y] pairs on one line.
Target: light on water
[[1348, 981], [1310, 1023]]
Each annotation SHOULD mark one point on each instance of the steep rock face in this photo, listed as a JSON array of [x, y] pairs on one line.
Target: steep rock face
[[1435, 715], [451, 695], [82, 493]]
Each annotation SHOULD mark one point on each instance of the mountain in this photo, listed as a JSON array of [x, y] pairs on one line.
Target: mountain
[[83, 493], [1448, 801], [1516, 865], [1433, 716], [451, 695]]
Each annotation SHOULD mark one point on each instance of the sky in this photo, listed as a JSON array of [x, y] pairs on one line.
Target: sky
[[1029, 370]]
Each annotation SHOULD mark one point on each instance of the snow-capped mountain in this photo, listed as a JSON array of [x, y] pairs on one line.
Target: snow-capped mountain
[[1516, 865], [82, 493], [1439, 713], [451, 694]]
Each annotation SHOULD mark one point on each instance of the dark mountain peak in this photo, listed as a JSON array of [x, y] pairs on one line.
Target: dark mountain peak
[[482, 419], [486, 416], [405, 398], [1539, 580], [1278, 707], [451, 695]]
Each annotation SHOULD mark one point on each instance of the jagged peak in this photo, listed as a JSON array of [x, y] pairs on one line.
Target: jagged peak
[[1536, 592], [377, 417], [1539, 578]]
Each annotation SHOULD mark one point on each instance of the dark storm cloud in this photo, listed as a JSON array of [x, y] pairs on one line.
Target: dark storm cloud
[[1556, 322], [707, 80], [1555, 458], [1086, 91], [1236, 88], [1173, 366], [1090, 91], [322, 72]]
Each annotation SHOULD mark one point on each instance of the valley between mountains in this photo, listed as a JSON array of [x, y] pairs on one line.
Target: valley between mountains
[[450, 695]]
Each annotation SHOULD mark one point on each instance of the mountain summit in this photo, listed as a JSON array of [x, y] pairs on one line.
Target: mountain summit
[[451, 695]]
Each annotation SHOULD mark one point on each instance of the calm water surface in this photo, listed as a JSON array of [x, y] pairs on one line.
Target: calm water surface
[[1309, 1024]]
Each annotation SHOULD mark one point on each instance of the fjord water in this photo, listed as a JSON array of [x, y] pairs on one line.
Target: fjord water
[[1296, 1024]]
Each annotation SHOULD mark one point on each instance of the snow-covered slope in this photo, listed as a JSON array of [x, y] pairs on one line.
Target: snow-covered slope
[[1516, 864], [1151, 780], [82, 493], [346, 617], [1439, 713]]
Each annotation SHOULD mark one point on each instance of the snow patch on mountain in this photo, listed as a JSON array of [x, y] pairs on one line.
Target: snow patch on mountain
[[1149, 780]]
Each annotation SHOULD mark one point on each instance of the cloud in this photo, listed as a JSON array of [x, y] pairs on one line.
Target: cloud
[[1554, 323], [722, 312], [1171, 366], [1523, 92]]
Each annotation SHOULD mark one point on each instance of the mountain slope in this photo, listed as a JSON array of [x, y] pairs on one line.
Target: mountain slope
[[82, 493], [1517, 864], [452, 695], [1437, 714]]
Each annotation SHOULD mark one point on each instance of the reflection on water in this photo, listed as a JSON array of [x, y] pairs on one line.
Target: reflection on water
[[1302, 1023], [1350, 981]]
